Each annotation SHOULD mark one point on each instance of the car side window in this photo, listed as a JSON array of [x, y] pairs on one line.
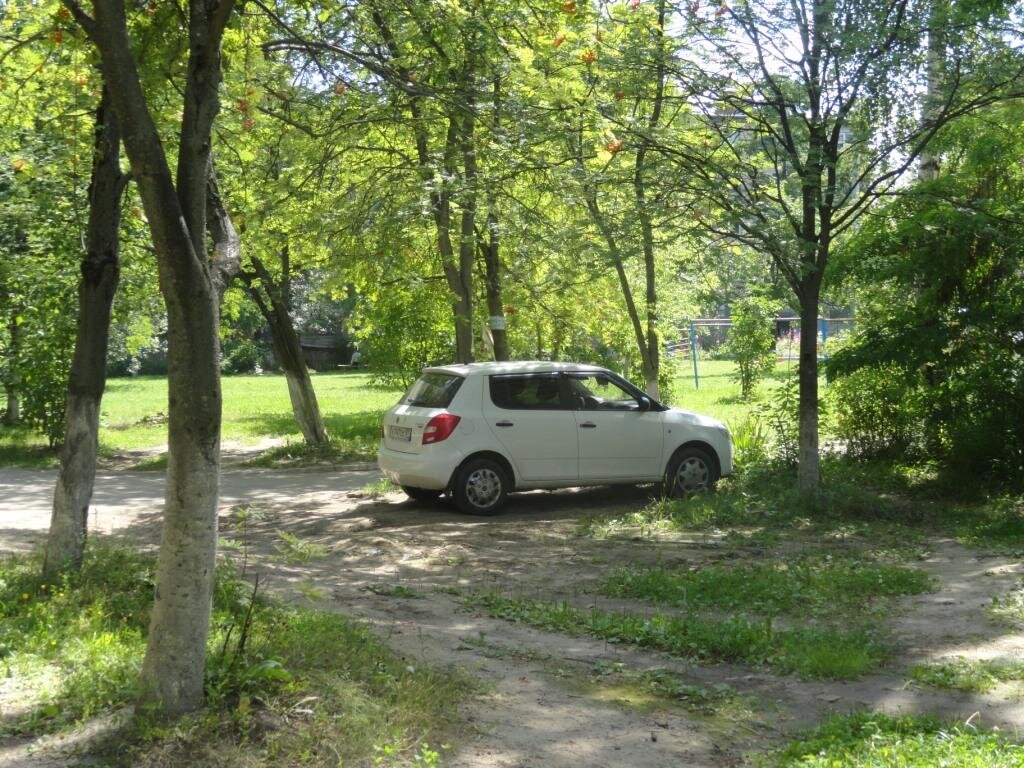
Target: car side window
[[534, 392], [598, 392]]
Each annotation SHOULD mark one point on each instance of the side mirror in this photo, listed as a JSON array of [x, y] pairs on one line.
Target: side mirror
[[644, 403]]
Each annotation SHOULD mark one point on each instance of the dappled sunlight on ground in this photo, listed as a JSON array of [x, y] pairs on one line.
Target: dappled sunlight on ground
[[331, 539]]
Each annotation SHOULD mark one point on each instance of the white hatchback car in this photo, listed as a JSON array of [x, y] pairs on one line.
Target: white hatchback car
[[481, 430]]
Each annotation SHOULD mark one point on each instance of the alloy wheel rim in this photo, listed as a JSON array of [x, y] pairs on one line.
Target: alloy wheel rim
[[692, 475], [483, 487]]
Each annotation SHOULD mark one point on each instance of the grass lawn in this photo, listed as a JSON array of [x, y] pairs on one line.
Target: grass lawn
[[718, 393], [285, 685], [134, 412]]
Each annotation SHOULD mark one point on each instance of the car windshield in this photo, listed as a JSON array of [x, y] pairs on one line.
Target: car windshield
[[433, 390]]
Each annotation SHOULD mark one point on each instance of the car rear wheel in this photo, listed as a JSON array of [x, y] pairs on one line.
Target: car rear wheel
[[480, 487], [690, 471], [421, 494]]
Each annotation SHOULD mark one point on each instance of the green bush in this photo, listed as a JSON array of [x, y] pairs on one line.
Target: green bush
[[241, 356], [876, 412], [781, 415], [752, 342]]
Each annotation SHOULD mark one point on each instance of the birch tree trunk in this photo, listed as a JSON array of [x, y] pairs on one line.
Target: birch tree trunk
[[65, 544]]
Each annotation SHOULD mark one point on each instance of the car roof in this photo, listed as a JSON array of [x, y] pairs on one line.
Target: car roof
[[519, 366]]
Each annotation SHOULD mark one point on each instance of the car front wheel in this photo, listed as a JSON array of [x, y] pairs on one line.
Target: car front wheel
[[480, 487], [690, 471]]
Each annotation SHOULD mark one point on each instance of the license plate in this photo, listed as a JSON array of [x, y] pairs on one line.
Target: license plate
[[400, 433]]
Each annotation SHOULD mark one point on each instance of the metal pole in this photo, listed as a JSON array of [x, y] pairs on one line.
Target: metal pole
[[693, 354]]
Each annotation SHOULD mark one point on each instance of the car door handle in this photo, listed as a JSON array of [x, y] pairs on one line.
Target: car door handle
[[504, 424], [588, 425]]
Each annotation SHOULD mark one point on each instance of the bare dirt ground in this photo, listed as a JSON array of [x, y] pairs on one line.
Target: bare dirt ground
[[540, 704]]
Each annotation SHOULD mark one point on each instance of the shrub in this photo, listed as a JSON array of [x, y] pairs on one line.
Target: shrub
[[752, 342], [876, 412], [241, 357]]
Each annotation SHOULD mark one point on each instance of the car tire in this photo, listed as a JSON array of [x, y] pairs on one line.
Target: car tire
[[421, 494], [480, 487], [691, 470]]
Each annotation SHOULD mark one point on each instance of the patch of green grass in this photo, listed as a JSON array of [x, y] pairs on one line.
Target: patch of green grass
[[494, 650], [973, 675], [298, 455], [810, 651], [85, 633], [659, 689], [996, 525], [255, 407], [871, 740], [394, 590], [304, 686], [799, 586], [719, 392], [21, 447], [1009, 608], [152, 464], [378, 488], [764, 500]]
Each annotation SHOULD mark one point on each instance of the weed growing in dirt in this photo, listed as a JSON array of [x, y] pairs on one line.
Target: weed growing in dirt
[[291, 549], [871, 740], [660, 689], [378, 489], [284, 685], [494, 650], [973, 675], [394, 590], [810, 651], [800, 586], [1009, 609]]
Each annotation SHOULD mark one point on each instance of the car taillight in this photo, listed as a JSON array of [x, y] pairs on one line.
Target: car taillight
[[440, 427], [382, 430]]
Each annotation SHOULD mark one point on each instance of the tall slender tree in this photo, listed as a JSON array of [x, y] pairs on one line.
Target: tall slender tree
[[804, 126], [100, 272]]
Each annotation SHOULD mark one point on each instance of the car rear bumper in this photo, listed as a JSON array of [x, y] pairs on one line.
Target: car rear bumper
[[429, 469]]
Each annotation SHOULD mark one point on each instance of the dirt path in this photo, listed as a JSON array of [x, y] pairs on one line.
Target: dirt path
[[541, 705]]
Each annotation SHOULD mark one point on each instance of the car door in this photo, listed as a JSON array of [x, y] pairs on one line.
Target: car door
[[618, 440], [528, 415]]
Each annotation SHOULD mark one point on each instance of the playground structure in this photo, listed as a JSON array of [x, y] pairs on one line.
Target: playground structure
[[709, 333]]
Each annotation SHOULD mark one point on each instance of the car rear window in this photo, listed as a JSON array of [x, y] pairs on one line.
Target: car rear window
[[433, 390]]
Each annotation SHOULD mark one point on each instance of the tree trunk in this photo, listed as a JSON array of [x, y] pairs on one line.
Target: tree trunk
[[491, 250], [467, 202], [651, 345], [492, 266], [650, 370], [458, 271], [65, 544], [288, 350], [808, 472], [928, 167], [12, 410], [174, 666]]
